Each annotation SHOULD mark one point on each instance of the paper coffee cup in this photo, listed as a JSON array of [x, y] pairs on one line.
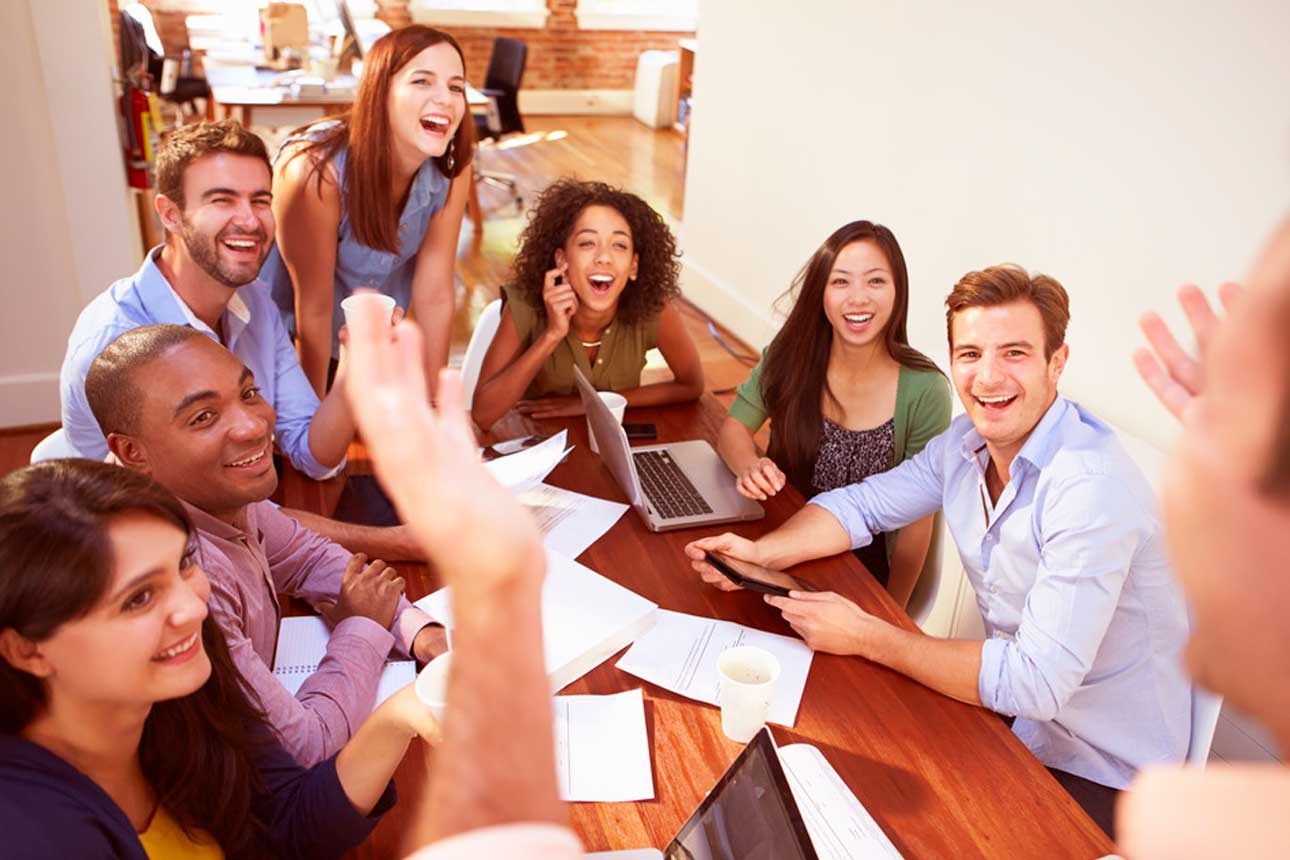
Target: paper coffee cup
[[747, 676], [617, 404], [353, 301], [432, 685]]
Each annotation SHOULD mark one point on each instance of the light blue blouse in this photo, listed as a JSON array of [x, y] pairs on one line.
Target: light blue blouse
[[357, 265]]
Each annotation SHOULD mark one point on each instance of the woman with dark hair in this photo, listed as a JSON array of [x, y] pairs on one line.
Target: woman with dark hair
[[595, 288], [125, 730], [846, 395], [389, 179]]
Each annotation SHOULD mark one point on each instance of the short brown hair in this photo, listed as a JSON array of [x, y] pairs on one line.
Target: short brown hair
[[115, 397], [188, 143], [1007, 283]]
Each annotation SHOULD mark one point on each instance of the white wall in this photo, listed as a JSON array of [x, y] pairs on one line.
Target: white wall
[[66, 231], [1122, 148]]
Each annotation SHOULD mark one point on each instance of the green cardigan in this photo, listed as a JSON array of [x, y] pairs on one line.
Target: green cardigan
[[923, 408]]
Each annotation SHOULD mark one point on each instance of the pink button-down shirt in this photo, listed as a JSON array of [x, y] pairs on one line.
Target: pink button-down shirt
[[267, 554]]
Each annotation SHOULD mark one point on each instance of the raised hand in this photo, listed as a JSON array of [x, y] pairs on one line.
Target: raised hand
[[472, 529], [560, 300], [1176, 377]]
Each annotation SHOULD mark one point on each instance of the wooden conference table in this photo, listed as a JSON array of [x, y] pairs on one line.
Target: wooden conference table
[[943, 779]]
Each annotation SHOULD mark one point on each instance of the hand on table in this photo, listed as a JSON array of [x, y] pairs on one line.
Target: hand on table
[[761, 480], [430, 642], [827, 621], [471, 528], [727, 544], [1176, 377], [367, 590], [564, 406]]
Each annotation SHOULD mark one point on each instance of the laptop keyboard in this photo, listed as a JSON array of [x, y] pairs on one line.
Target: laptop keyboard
[[668, 489]]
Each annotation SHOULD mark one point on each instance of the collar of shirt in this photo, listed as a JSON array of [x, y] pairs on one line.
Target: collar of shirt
[[164, 304], [214, 526], [1040, 446]]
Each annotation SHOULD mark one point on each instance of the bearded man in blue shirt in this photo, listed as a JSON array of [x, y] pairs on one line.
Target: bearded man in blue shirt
[[1059, 535]]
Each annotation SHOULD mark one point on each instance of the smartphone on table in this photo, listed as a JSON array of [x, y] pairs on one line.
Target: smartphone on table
[[640, 431], [754, 577]]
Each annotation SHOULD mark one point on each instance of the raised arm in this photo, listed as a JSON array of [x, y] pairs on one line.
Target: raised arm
[[496, 764], [307, 208], [432, 280]]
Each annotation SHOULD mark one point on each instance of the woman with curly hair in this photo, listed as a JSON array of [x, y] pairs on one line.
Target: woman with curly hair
[[595, 287]]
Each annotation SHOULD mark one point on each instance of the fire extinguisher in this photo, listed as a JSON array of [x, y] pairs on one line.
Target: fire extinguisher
[[139, 107]]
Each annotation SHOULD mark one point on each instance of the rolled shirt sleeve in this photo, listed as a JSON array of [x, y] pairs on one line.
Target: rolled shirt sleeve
[[296, 404], [1092, 532], [889, 500]]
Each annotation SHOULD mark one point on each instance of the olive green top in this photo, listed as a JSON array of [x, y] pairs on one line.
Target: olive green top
[[618, 363], [923, 407]]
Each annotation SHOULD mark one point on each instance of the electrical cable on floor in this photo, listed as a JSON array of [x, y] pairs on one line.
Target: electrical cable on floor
[[741, 357]]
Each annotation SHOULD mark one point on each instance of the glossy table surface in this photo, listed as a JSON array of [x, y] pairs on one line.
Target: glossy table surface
[[943, 779]]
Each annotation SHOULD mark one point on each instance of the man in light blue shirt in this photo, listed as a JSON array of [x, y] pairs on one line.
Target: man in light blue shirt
[[1059, 536], [214, 200]]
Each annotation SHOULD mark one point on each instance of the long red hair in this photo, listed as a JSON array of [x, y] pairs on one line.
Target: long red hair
[[365, 130]]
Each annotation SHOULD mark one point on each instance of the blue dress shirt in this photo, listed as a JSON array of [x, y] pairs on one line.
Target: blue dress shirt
[[253, 332], [357, 265], [1085, 623]]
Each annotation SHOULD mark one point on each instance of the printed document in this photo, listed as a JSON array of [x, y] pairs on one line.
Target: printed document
[[602, 748], [570, 522], [679, 653], [529, 467], [840, 827]]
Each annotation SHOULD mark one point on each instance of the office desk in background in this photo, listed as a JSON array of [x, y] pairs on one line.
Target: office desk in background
[[943, 779]]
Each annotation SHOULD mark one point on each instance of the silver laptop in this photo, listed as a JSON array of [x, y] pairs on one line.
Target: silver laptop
[[678, 485], [750, 812]]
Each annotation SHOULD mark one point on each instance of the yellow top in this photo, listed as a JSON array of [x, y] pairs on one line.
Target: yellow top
[[166, 840]]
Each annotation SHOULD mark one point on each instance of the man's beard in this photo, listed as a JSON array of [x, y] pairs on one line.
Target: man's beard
[[204, 251]]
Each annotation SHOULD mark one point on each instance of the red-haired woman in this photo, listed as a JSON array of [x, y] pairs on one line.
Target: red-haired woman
[[389, 180], [846, 395], [125, 729]]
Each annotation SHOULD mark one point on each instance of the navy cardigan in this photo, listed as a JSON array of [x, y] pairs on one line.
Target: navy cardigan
[[50, 809]]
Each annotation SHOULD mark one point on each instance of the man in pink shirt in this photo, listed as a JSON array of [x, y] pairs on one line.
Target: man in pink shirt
[[178, 406]]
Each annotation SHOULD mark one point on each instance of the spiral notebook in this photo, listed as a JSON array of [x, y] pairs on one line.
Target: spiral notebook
[[302, 644]]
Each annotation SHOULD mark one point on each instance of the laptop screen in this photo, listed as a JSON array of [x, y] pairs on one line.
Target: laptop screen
[[749, 815]]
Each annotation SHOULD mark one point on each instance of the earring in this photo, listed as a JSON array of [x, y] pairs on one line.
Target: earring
[[452, 153]]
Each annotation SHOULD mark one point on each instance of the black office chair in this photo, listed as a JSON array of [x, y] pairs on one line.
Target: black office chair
[[502, 85]]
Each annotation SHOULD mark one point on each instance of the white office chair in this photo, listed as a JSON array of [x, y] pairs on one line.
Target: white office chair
[[1205, 707], [53, 447], [928, 587], [480, 339]]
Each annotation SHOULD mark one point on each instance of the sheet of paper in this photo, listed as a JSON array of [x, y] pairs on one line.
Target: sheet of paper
[[840, 827], [302, 644], [679, 653], [570, 522], [529, 467], [586, 617], [602, 748]]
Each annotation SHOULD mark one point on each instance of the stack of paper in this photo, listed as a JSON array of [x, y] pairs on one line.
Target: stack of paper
[[529, 467], [680, 654], [302, 644], [585, 618], [602, 748]]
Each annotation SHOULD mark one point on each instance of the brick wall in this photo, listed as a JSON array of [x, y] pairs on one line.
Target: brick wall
[[561, 57]]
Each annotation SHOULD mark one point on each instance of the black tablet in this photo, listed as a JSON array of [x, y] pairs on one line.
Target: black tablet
[[750, 814]]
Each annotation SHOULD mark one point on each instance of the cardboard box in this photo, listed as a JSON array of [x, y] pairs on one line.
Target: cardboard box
[[286, 26]]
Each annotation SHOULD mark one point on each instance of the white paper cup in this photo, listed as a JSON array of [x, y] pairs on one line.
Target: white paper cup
[[347, 305], [432, 684], [617, 404], [747, 685]]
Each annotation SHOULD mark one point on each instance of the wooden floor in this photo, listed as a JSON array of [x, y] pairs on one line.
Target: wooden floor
[[617, 150]]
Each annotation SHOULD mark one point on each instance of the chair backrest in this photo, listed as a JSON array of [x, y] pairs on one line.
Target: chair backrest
[[1205, 708], [505, 72], [480, 339], [53, 447]]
